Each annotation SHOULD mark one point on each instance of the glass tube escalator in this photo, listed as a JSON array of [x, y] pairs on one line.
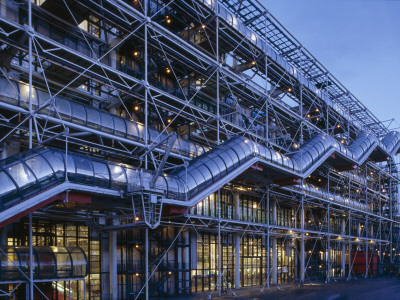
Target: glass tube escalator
[[48, 263]]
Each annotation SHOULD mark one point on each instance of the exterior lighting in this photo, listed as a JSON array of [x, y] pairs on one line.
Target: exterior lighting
[[306, 233], [338, 126], [136, 108], [137, 274], [168, 20], [169, 272], [308, 115], [136, 53], [169, 121], [319, 179], [168, 70], [253, 63], [316, 110], [290, 90], [342, 141], [203, 26], [136, 246], [137, 219]]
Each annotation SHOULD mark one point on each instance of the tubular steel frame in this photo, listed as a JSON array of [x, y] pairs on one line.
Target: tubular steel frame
[[263, 94]]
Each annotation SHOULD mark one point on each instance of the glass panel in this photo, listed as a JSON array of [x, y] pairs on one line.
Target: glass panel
[[155, 136], [84, 169], [70, 166], [64, 268], [8, 191], [9, 264], [56, 161], [132, 130], [133, 177], [118, 176], [101, 173], [24, 93], [107, 123], [141, 132], [78, 113], [93, 118], [63, 108], [79, 262], [42, 170], [24, 178], [47, 263], [43, 98], [24, 260], [173, 188], [120, 127], [9, 92]]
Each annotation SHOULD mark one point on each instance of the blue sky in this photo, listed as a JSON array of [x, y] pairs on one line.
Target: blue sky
[[357, 40]]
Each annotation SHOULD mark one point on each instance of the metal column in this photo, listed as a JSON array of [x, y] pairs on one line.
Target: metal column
[[112, 250], [302, 249], [343, 249], [274, 247]]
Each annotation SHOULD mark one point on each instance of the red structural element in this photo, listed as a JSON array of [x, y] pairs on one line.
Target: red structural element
[[287, 181], [358, 259], [72, 197], [380, 159], [257, 167], [346, 167], [173, 210]]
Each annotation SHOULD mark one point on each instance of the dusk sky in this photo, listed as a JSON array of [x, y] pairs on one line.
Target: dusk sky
[[358, 41]]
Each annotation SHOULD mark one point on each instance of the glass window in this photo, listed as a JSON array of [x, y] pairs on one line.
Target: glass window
[[120, 126], [93, 118], [107, 123], [57, 163], [63, 108], [43, 97], [8, 91], [84, 169], [47, 263], [8, 191], [64, 268], [101, 174], [132, 130], [118, 176], [78, 113], [9, 264], [79, 262], [24, 178], [24, 93], [42, 170]]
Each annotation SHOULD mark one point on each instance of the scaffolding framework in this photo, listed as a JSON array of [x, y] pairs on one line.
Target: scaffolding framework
[[112, 112]]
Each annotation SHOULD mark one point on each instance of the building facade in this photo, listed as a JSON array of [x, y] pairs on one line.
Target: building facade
[[164, 148]]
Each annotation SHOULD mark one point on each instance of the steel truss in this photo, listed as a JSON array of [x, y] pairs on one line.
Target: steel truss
[[191, 69]]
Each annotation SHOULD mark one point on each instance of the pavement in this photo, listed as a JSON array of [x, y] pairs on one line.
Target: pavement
[[358, 289]]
